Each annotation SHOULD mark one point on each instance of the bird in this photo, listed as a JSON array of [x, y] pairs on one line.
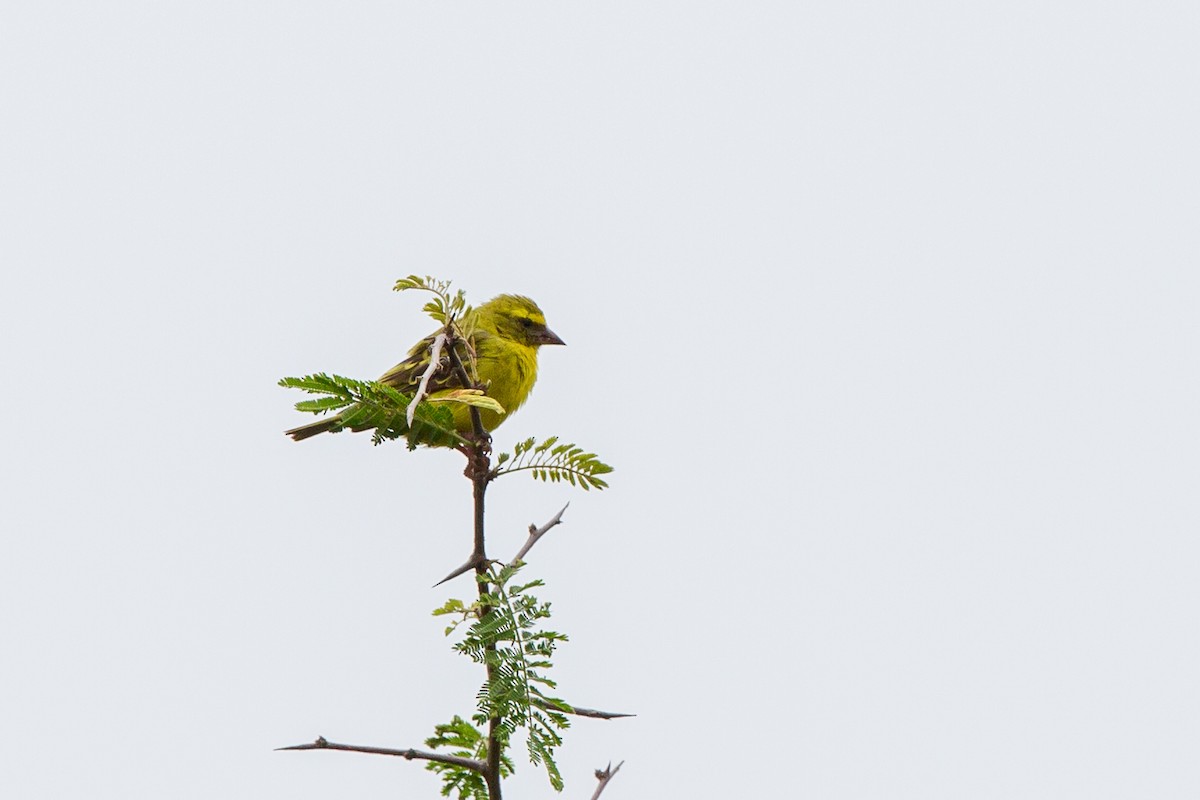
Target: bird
[[504, 333]]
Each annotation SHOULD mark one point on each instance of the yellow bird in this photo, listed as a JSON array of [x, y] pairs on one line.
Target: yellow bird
[[505, 334]]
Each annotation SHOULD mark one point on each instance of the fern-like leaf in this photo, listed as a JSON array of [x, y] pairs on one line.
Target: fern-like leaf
[[509, 639], [445, 306], [466, 741], [550, 461], [364, 405]]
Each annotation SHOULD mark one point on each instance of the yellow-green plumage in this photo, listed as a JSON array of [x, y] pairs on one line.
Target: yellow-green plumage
[[504, 333]]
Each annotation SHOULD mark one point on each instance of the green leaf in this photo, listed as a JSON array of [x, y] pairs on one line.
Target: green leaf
[[510, 640], [445, 306], [369, 405], [465, 741], [470, 397], [554, 462], [323, 404]]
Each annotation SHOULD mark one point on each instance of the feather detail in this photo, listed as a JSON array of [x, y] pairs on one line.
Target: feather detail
[[504, 335]]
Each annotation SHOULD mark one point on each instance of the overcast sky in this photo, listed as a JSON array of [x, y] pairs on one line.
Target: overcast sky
[[885, 313]]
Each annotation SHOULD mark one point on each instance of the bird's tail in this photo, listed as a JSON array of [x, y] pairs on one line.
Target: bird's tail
[[305, 431]]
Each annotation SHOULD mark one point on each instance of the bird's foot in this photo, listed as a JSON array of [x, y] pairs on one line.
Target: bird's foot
[[478, 456]]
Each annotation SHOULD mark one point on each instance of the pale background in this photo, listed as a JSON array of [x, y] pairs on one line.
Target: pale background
[[885, 313]]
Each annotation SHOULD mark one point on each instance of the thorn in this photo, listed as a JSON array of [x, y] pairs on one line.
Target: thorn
[[474, 561], [317, 745]]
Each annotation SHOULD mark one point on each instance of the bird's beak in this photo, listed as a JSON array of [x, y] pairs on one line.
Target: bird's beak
[[548, 336]]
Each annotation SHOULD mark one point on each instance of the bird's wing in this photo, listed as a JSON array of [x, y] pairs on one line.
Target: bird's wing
[[406, 375]]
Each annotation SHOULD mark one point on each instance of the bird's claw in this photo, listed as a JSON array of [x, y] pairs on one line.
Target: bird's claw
[[478, 455]]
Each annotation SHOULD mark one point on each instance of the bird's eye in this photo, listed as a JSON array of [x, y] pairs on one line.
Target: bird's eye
[[527, 322]]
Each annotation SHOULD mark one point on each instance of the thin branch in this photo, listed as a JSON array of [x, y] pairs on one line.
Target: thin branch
[[536, 533], [580, 711], [479, 471], [604, 776], [410, 753], [479, 483], [465, 379]]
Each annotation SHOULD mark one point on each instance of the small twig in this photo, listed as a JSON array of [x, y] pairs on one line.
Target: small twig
[[410, 753], [472, 563], [536, 533], [604, 776], [435, 358], [580, 711]]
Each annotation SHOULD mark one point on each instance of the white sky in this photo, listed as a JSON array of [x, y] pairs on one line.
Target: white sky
[[885, 313]]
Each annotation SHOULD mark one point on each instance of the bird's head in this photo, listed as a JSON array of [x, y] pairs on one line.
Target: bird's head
[[519, 318]]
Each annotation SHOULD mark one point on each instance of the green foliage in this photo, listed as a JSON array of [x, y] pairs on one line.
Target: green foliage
[[468, 742], [505, 634], [444, 307], [550, 461], [369, 404], [448, 310]]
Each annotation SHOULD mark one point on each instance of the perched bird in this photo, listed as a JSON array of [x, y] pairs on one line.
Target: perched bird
[[505, 334]]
